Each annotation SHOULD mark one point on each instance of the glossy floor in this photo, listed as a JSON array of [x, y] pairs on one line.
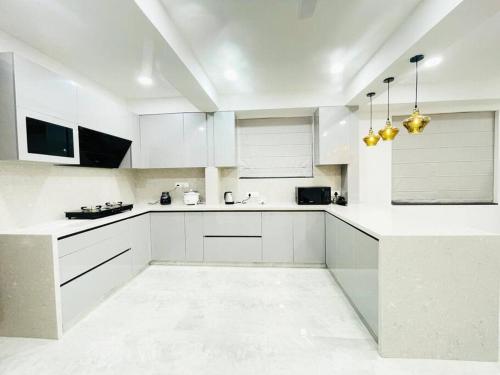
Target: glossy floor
[[220, 320]]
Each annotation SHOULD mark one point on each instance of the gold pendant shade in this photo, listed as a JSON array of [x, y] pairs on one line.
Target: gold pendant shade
[[371, 139], [389, 132], [416, 123]]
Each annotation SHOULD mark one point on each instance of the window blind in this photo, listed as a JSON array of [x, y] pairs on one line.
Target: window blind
[[275, 147], [452, 161]]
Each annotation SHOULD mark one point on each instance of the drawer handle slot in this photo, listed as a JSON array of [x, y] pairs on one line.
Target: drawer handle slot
[[93, 268]]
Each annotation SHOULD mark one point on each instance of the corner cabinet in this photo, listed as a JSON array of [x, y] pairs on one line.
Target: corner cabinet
[[177, 140], [352, 258], [335, 131]]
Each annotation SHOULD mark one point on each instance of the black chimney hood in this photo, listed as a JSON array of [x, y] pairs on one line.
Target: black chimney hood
[[100, 149]]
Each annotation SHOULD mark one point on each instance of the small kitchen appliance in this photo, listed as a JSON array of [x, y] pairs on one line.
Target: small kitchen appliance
[[313, 195], [228, 197], [96, 212], [191, 197], [165, 198]]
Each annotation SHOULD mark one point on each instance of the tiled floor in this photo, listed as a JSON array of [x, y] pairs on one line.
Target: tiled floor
[[217, 320]]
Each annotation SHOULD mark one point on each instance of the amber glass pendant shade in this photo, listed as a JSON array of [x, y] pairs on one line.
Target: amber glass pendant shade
[[389, 132], [372, 138], [416, 123]]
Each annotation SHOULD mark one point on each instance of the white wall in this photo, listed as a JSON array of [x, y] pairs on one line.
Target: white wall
[[277, 190], [33, 193]]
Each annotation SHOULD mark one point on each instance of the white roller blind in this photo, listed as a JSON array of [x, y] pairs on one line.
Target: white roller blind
[[275, 147], [451, 162]]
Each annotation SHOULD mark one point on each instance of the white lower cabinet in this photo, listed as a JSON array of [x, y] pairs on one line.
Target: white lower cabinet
[[80, 295], [233, 249], [309, 237], [277, 237], [168, 237], [352, 257], [194, 236], [141, 241]]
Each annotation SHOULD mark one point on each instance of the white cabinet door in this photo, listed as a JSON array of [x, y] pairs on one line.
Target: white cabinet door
[[330, 240], [232, 223], [194, 236], [140, 228], [168, 240], [195, 140], [233, 249], [277, 237], [334, 130], [41, 90], [309, 237], [162, 140], [225, 139]]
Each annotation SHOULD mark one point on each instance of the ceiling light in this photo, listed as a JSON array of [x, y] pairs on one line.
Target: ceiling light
[[343, 122], [145, 80], [337, 68], [389, 132], [371, 139], [230, 75], [416, 123], [434, 61]]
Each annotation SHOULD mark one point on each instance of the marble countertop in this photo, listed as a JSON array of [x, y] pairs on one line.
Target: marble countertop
[[378, 221]]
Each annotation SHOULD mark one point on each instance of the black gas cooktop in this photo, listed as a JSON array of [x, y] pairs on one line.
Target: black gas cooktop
[[96, 212]]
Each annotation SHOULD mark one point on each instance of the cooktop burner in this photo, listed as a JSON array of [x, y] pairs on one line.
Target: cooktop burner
[[96, 212]]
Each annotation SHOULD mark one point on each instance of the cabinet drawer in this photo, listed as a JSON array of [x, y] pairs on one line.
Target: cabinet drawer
[[82, 260], [83, 293], [232, 249], [232, 223], [83, 240]]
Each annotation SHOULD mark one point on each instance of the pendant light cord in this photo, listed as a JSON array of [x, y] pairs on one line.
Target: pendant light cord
[[388, 83], [416, 83], [371, 113]]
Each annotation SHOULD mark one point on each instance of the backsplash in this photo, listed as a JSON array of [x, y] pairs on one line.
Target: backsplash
[[31, 193], [149, 183], [278, 190]]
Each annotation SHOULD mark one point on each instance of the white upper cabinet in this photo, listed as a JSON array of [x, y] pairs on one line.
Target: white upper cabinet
[[38, 110], [224, 139], [174, 140], [41, 90], [334, 135], [195, 140]]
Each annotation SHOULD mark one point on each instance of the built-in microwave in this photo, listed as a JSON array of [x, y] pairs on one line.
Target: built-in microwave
[[313, 195], [46, 138]]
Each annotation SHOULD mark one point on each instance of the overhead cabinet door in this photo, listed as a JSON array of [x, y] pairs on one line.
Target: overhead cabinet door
[[162, 140], [177, 140], [195, 139]]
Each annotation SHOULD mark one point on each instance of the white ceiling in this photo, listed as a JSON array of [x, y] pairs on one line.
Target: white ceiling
[[262, 54], [263, 45], [108, 41], [469, 69]]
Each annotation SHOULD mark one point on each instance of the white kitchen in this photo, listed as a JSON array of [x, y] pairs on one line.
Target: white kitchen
[[249, 186]]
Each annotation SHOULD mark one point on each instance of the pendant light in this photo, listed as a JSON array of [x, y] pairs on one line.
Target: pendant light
[[371, 139], [389, 132], [416, 123]]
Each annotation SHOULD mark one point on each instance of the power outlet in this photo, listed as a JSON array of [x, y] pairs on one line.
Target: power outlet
[[253, 194], [183, 185]]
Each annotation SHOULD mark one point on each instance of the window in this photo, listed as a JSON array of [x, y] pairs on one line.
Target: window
[[452, 161], [275, 147]]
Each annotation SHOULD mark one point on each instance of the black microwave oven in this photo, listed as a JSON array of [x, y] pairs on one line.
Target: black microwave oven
[[313, 195]]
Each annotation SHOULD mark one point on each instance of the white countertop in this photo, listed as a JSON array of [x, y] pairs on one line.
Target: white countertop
[[379, 221]]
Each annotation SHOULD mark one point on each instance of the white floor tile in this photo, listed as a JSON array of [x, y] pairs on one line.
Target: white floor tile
[[220, 320]]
